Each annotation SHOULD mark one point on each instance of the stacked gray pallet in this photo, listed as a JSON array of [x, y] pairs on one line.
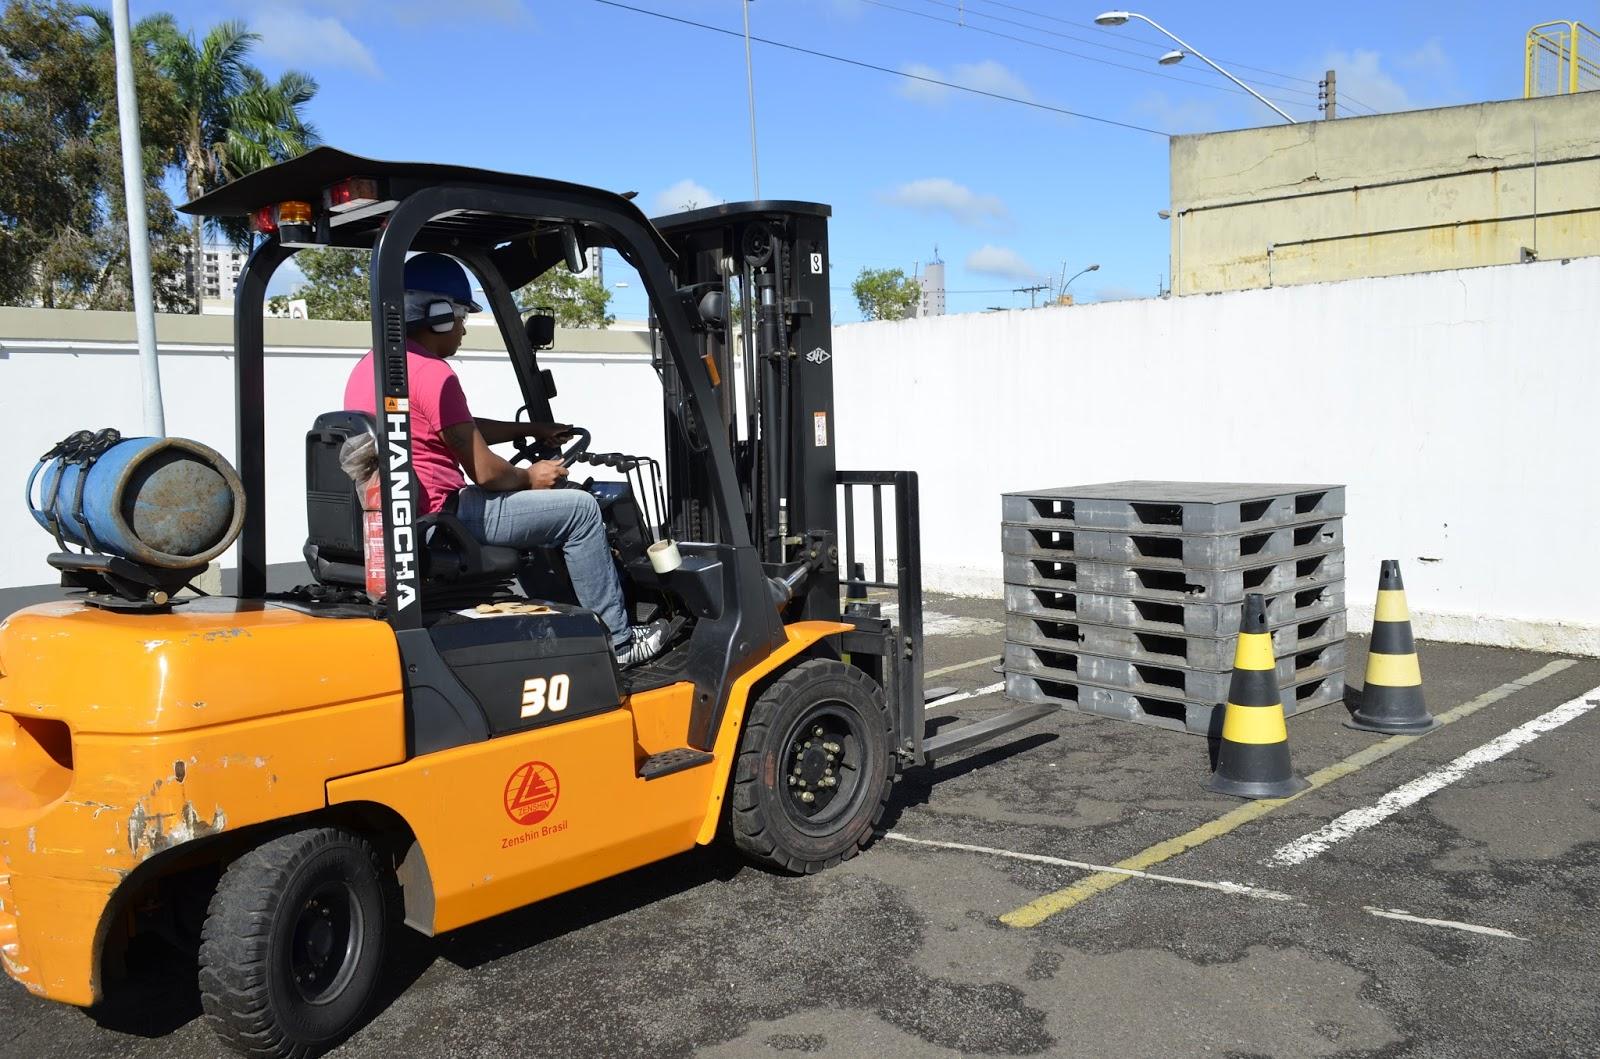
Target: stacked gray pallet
[[1123, 599]]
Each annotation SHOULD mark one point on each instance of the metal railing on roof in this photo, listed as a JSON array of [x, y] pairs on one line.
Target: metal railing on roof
[[1561, 58]]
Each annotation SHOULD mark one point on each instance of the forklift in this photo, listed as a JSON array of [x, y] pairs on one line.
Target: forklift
[[270, 781]]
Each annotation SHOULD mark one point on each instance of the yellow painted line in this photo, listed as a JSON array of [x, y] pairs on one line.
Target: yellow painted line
[[960, 666], [1037, 911]]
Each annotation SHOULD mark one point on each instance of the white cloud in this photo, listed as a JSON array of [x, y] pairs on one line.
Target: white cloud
[[1001, 261], [1189, 115], [990, 76], [686, 194], [939, 195], [987, 76], [308, 41], [1362, 77], [1119, 294], [922, 91], [1430, 60]]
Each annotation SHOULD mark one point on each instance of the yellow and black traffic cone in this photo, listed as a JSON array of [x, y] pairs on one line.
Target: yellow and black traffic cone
[[1391, 699], [1253, 760]]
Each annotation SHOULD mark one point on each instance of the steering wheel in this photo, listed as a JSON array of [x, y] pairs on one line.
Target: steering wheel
[[537, 450]]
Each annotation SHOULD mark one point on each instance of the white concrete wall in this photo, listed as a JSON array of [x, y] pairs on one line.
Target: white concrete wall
[[52, 386], [1457, 407]]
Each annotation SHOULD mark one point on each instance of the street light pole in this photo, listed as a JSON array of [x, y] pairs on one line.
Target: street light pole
[[1064, 286], [144, 310], [750, 90], [1117, 18]]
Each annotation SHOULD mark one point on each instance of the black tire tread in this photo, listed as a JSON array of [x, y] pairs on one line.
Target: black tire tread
[[233, 948], [751, 832]]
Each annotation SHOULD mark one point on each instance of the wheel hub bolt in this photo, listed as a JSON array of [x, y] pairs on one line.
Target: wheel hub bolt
[[817, 731], [808, 797], [831, 748]]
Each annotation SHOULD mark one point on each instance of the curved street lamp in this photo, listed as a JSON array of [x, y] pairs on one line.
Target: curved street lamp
[[1064, 286], [1117, 18]]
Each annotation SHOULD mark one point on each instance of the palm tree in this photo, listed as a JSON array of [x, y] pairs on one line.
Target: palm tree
[[235, 121]]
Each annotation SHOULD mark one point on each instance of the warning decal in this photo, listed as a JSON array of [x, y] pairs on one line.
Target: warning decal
[[532, 792], [821, 423]]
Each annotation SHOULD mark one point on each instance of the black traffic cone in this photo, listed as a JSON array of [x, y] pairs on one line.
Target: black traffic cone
[[1391, 699], [1253, 761]]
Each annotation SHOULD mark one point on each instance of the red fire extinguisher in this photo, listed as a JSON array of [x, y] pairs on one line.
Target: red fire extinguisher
[[372, 537]]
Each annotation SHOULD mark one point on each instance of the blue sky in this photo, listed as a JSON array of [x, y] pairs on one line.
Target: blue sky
[[1009, 193]]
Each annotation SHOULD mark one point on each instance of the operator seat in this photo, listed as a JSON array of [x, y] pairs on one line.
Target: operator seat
[[450, 556]]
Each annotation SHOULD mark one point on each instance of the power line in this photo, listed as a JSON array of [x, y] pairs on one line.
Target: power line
[[885, 69], [1152, 47], [1079, 55]]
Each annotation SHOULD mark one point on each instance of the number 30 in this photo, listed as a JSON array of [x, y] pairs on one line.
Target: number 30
[[538, 693]]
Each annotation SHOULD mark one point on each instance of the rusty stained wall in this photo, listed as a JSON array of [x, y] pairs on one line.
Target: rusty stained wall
[[1401, 193]]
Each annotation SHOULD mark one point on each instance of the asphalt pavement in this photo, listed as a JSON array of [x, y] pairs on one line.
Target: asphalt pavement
[[1446, 906]]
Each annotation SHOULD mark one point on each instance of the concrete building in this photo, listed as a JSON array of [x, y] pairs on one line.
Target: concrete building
[[220, 265], [932, 283], [1456, 187]]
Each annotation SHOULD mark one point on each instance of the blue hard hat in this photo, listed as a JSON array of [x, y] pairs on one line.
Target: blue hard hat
[[438, 274]]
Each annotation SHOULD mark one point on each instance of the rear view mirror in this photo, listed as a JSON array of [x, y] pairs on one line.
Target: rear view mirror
[[573, 248], [541, 328]]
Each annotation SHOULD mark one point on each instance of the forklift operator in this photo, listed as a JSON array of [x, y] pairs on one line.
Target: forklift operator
[[510, 506]]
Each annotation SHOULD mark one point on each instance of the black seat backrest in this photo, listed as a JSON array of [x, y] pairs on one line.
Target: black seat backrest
[[335, 550], [333, 504]]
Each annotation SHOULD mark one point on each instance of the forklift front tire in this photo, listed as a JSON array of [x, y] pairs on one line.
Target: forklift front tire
[[815, 768], [292, 949]]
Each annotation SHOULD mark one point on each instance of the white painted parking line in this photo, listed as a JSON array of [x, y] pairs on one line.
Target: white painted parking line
[[962, 696], [1355, 821], [1221, 886], [960, 665], [1218, 886], [1470, 928]]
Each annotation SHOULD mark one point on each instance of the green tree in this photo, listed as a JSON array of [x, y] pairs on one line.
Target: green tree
[[337, 282], [63, 232], [575, 302], [234, 120], [886, 294]]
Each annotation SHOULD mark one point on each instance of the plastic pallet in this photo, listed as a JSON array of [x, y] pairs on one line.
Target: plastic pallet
[[1173, 619], [1175, 551], [1145, 678], [1226, 585], [1196, 718], [1174, 507], [1187, 652]]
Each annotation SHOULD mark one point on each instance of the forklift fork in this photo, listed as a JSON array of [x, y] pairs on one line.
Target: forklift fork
[[893, 653]]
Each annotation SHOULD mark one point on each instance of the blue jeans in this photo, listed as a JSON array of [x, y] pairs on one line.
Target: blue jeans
[[568, 519]]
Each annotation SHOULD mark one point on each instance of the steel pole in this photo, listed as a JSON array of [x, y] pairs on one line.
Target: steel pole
[[750, 89], [1197, 54], [144, 309]]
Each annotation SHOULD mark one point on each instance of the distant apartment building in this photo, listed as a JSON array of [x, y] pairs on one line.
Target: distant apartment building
[[218, 275], [932, 283]]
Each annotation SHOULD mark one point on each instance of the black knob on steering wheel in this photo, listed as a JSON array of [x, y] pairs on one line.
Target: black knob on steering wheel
[[535, 451]]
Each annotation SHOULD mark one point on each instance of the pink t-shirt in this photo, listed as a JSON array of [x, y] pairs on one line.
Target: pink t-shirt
[[437, 404]]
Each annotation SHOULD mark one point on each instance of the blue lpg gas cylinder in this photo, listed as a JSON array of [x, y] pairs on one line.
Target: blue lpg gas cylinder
[[165, 502]]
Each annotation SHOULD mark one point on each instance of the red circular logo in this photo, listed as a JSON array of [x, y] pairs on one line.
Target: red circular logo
[[532, 792]]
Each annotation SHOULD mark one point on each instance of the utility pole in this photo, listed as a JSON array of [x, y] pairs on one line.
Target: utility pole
[[1327, 92], [1031, 292], [144, 309]]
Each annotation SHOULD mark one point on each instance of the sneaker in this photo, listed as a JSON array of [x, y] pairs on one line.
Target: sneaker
[[644, 643]]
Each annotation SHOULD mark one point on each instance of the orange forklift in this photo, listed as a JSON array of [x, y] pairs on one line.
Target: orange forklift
[[269, 782]]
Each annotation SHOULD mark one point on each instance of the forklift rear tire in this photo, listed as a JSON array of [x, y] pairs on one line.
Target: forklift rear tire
[[815, 768], [292, 949]]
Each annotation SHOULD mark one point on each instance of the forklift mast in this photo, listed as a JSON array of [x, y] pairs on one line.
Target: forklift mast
[[757, 273]]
